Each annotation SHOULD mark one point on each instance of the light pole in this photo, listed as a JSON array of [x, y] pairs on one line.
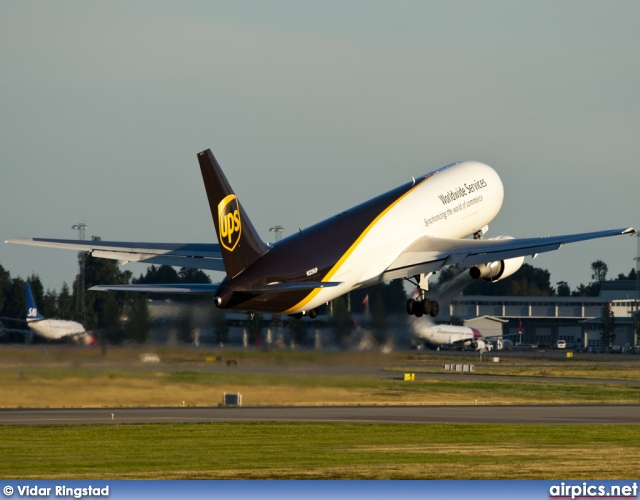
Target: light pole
[[80, 310], [278, 229]]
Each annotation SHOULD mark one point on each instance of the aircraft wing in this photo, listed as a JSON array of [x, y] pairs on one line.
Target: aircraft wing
[[430, 254], [209, 289], [16, 330], [4, 329], [190, 255], [17, 320]]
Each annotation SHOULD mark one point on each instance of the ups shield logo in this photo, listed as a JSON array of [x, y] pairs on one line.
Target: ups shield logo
[[229, 224]]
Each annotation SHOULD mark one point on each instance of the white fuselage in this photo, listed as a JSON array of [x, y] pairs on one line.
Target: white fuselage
[[454, 202], [56, 329], [441, 335]]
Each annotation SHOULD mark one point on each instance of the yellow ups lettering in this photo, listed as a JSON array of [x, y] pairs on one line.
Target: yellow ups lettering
[[236, 218], [224, 231], [230, 226], [229, 222]]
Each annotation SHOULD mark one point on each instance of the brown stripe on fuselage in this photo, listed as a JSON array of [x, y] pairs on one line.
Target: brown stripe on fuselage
[[323, 246]]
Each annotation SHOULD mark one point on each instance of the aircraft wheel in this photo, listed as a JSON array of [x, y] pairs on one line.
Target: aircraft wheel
[[426, 306], [418, 308], [435, 308], [410, 306], [313, 314]]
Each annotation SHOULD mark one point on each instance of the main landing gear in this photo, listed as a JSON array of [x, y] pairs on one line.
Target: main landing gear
[[421, 305], [313, 314]]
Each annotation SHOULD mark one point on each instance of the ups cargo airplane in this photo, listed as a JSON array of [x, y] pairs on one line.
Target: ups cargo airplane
[[409, 232]]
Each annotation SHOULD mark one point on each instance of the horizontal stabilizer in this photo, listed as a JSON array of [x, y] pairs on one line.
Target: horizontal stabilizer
[[210, 289], [193, 288]]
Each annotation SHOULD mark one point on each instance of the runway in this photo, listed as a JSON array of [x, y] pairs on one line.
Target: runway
[[538, 414]]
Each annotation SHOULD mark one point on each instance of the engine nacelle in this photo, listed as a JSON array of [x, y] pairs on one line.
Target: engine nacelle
[[477, 345], [495, 271]]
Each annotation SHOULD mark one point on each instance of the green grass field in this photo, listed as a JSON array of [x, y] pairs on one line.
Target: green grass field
[[63, 377], [55, 376], [320, 451], [79, 387]]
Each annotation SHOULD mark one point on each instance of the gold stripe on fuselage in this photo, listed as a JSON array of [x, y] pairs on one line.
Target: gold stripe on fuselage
[[351, 249]]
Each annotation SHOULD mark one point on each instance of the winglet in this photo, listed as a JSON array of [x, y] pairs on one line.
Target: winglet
[[240, 244]]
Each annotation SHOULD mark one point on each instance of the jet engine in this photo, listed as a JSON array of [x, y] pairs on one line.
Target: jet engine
[[479, 345], [494, 271]]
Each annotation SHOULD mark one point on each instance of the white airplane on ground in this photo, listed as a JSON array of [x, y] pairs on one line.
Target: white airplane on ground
[[409, 232], [437, 336], [54, 329]]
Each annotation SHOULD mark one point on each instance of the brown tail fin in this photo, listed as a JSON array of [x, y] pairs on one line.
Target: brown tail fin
[[240, 244]]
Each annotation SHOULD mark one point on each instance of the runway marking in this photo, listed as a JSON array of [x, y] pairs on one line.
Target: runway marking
[[545, 414]]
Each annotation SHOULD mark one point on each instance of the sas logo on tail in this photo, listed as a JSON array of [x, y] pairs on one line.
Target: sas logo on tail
[[229, 223]]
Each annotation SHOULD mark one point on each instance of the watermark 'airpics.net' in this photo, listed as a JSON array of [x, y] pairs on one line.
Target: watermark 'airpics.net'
[[587, 490]]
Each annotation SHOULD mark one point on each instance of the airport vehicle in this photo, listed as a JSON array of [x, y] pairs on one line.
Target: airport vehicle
[[503, 344], [437, 336], [54, 329], [561, 344], [409, 232]]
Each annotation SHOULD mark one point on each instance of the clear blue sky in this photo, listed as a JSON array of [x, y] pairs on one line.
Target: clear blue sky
[[312, 107]]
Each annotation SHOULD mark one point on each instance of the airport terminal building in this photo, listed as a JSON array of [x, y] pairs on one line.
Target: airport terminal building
[[545, 320]]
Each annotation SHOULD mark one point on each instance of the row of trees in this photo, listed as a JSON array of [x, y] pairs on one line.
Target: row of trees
[[115, 316], [102, 309], [123, 316], [13, 301]]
